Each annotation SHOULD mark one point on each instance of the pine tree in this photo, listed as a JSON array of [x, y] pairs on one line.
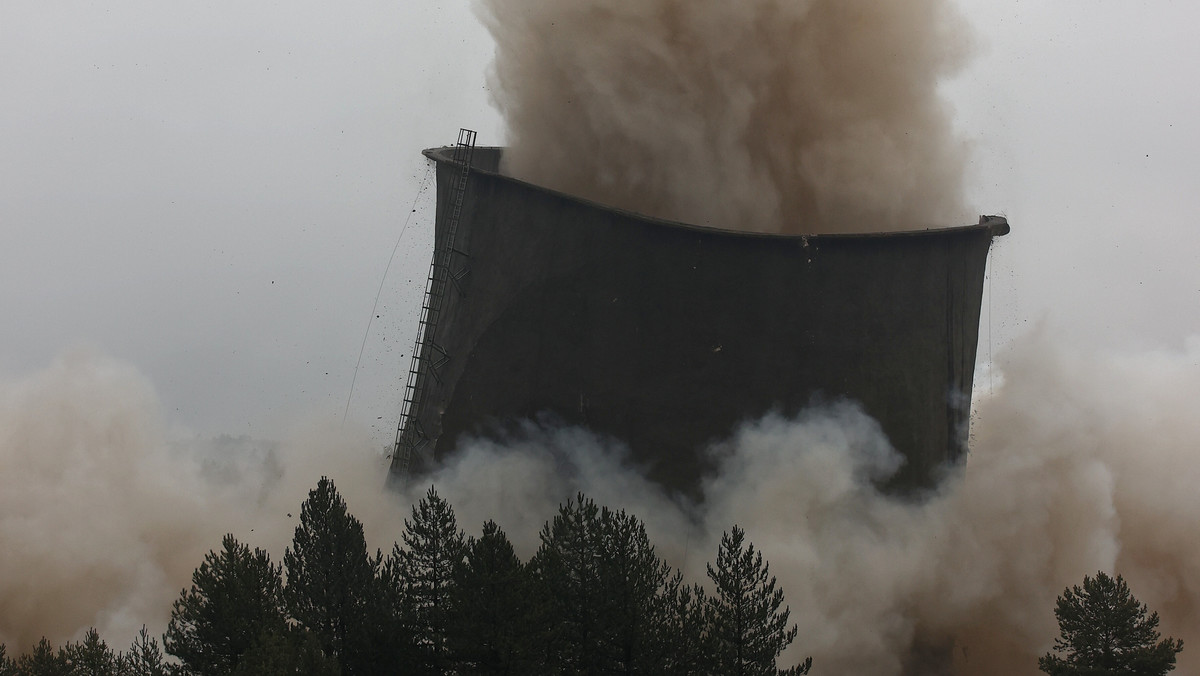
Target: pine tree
[[603, 591], [682, 632], [332, 580], [748, 628], [295, 650], [91, 656], [632, 581], [490, 606], [6, 665], [1105, 631], [236, 595], [144, 657], [566, 571], [423, 573], [393, 640], [44, 660]]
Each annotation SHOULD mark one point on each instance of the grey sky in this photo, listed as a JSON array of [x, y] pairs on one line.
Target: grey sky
[[212, 190], [1086, 117]]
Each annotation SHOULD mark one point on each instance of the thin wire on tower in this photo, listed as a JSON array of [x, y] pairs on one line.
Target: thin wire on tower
[[412, 210]]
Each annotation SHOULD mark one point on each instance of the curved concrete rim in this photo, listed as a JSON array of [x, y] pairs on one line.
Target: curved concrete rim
[[997, 226]]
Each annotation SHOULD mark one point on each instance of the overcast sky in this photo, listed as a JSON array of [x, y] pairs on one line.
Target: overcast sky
[[212, 190]]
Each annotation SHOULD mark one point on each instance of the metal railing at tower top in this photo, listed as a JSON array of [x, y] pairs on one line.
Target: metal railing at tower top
[[428, 357]]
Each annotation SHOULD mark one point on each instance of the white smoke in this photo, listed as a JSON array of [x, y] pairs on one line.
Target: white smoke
[[800, 116], [1079, 462]]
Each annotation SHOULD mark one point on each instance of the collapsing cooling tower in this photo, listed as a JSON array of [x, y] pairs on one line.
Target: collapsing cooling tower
[[666, 336]]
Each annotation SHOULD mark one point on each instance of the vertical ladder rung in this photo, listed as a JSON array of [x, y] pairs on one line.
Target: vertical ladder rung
[[410, 435]]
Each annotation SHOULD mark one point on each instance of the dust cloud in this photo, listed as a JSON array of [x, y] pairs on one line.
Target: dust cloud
[[1080, 461], [794, 116], [105, 513]]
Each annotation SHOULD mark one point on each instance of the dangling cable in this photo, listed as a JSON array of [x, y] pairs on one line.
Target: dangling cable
[[424, 184]]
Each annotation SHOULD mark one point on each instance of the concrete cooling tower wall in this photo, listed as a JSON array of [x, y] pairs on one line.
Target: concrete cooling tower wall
[[666, 336]]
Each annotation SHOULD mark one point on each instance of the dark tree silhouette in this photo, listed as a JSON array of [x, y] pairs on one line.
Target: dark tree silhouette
[[332, 584], [594, 599], [633, 581], [1105, 631], [295, 650], [91, 656], [748, 627], [686, 648], [44, 660], [235, 596], [144, 657], [490, 607], [423, 574], [569, 598], [602, 593]]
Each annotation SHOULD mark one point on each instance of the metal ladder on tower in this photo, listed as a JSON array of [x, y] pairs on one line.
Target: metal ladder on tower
[[410, 433]]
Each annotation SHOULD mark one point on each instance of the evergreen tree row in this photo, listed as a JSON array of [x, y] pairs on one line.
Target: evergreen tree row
[[89, 657], [594, 599]]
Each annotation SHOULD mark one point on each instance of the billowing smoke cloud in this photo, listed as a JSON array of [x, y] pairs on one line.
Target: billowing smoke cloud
[[103, 517], [95, 524], [799, 116], [1079, 462]]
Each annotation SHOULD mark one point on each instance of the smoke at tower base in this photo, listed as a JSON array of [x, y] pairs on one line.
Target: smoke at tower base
[[800, 116], [1079, 462]]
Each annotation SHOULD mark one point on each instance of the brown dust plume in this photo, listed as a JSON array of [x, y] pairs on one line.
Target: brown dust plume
[[1080, 461], [105, 512], [794, 116]]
